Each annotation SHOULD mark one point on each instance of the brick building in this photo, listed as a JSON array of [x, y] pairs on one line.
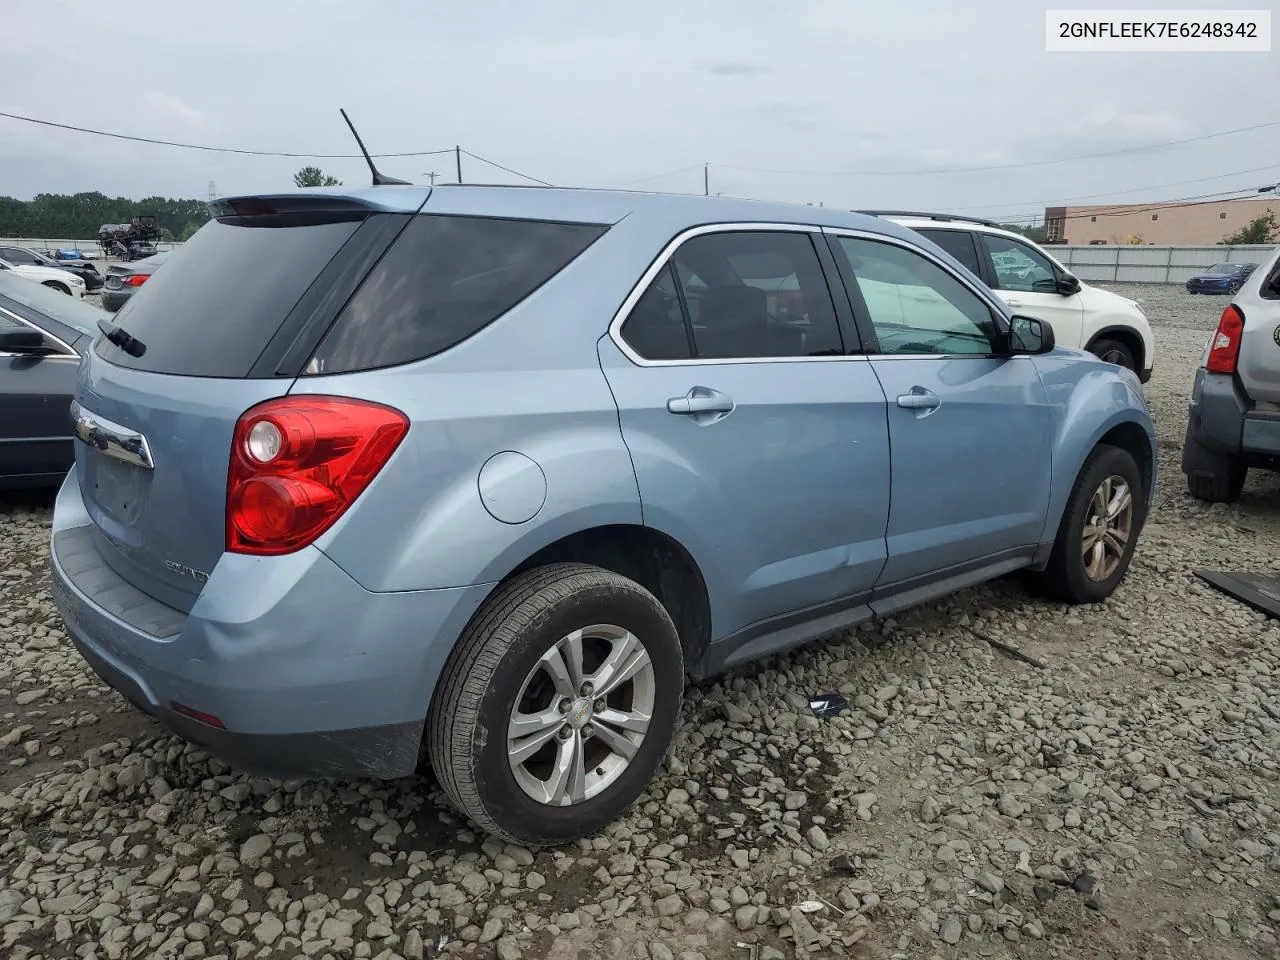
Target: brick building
[[1154, 222]]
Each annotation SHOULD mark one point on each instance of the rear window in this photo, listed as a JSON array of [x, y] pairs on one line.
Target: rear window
[[958, 243], [211, 308], [445, 279]]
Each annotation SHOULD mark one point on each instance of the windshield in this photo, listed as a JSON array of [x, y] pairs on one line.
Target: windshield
[[1223, 268], [72, 311]]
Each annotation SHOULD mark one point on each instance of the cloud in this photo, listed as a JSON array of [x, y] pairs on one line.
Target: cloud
[[738, 68], [578, 92]]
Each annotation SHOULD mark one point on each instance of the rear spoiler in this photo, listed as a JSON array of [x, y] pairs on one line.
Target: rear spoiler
[[385, 200]]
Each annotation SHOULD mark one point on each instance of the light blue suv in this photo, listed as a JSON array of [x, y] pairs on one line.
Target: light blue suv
[[478, 476]]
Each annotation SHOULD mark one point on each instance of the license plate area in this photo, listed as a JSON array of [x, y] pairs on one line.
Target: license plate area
[[1262, 436]]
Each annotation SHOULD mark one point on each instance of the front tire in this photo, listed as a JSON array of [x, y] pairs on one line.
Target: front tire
[[1099, 530], [557, 704], [1113, 351], [55, 285]]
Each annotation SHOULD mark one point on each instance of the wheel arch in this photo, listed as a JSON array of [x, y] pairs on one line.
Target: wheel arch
[[1123, 429], [1129, 336], [657, 561]]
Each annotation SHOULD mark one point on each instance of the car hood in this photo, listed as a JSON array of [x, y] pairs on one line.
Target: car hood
[[1104, 301], [1217, 276]]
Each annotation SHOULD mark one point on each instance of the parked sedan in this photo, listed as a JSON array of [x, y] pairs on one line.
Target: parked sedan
[[42, 334], [124, 279], [55, 278], [26, 257], [1221, 278]]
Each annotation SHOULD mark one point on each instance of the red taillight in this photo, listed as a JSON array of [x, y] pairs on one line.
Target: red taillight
[[1224, 349], [135, 279], [298, 462]]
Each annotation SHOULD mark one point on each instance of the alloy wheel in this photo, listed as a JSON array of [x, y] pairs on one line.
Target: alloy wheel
[[581, 715], [1107, 528]]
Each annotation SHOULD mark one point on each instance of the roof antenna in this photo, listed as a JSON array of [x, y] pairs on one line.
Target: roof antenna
[[379, 179]]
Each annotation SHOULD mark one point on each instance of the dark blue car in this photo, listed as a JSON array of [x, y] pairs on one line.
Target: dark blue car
[[1221, 278]]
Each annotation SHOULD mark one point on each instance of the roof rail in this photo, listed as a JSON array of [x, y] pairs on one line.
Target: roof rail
[[927, 216]]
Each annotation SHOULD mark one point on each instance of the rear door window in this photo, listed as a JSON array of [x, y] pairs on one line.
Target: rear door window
[[958, 243], [445, 279], [210, 309]]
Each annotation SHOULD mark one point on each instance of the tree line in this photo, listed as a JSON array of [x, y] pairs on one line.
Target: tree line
[[78, 216]]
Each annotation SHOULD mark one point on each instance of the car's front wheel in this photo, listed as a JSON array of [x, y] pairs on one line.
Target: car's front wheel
[[1099, 529], [1113, 351], [557, 704], [60, 287]]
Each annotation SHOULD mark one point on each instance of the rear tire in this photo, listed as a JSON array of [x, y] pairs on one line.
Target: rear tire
[[1093, 548], [1113, 351], [1222, 486], [55, 285], [509, 706]]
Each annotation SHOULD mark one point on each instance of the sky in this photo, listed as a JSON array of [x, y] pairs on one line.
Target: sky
[[849, 103]]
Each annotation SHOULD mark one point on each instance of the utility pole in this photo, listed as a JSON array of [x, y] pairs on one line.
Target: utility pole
[[433, 176], [213, 190], [706, 180], [457, 158]]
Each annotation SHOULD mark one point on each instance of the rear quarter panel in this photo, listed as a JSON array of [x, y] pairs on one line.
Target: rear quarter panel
[[1089, 398], [529, 383]]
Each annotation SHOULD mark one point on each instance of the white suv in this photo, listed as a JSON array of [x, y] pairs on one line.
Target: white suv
[[1036, 285]]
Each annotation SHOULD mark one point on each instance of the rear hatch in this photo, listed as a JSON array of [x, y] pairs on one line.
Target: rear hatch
[[225, 325]]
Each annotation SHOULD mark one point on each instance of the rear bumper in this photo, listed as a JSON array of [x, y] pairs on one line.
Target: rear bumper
[[309, 674], [113, 300], [1221, 420]]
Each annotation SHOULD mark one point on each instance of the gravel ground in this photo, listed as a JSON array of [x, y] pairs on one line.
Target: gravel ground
[[1120, 801]]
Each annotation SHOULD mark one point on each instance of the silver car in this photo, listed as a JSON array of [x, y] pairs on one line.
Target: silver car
[[123, 279], [1234, 419]]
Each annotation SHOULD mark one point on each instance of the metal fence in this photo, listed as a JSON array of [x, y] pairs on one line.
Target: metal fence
[[1152, 264], [90, 247]]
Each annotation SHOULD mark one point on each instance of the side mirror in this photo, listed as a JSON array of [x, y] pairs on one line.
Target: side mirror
[[1068, 284], [1029, 336], [26, 342]]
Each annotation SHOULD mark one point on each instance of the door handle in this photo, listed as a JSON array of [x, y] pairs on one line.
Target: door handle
[[919, 399], [701, 403], [1014, 303]]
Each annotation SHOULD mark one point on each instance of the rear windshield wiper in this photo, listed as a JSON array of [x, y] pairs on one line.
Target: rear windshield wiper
[[117, 335]]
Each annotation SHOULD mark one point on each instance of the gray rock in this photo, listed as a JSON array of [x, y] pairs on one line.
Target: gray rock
[[745, 917], [333, 928], [508, 949], [660, 951], [817, 838], [1010, 806], [1148, 783], [929, 810], [989, 882], [268, 930], [255, 848], [795, 800], [952, 930]]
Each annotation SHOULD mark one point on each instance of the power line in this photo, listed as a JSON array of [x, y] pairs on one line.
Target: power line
[[516, 173], [1115, 193], [210, 149], [1130, 209], [656, 176], [999, 166]]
